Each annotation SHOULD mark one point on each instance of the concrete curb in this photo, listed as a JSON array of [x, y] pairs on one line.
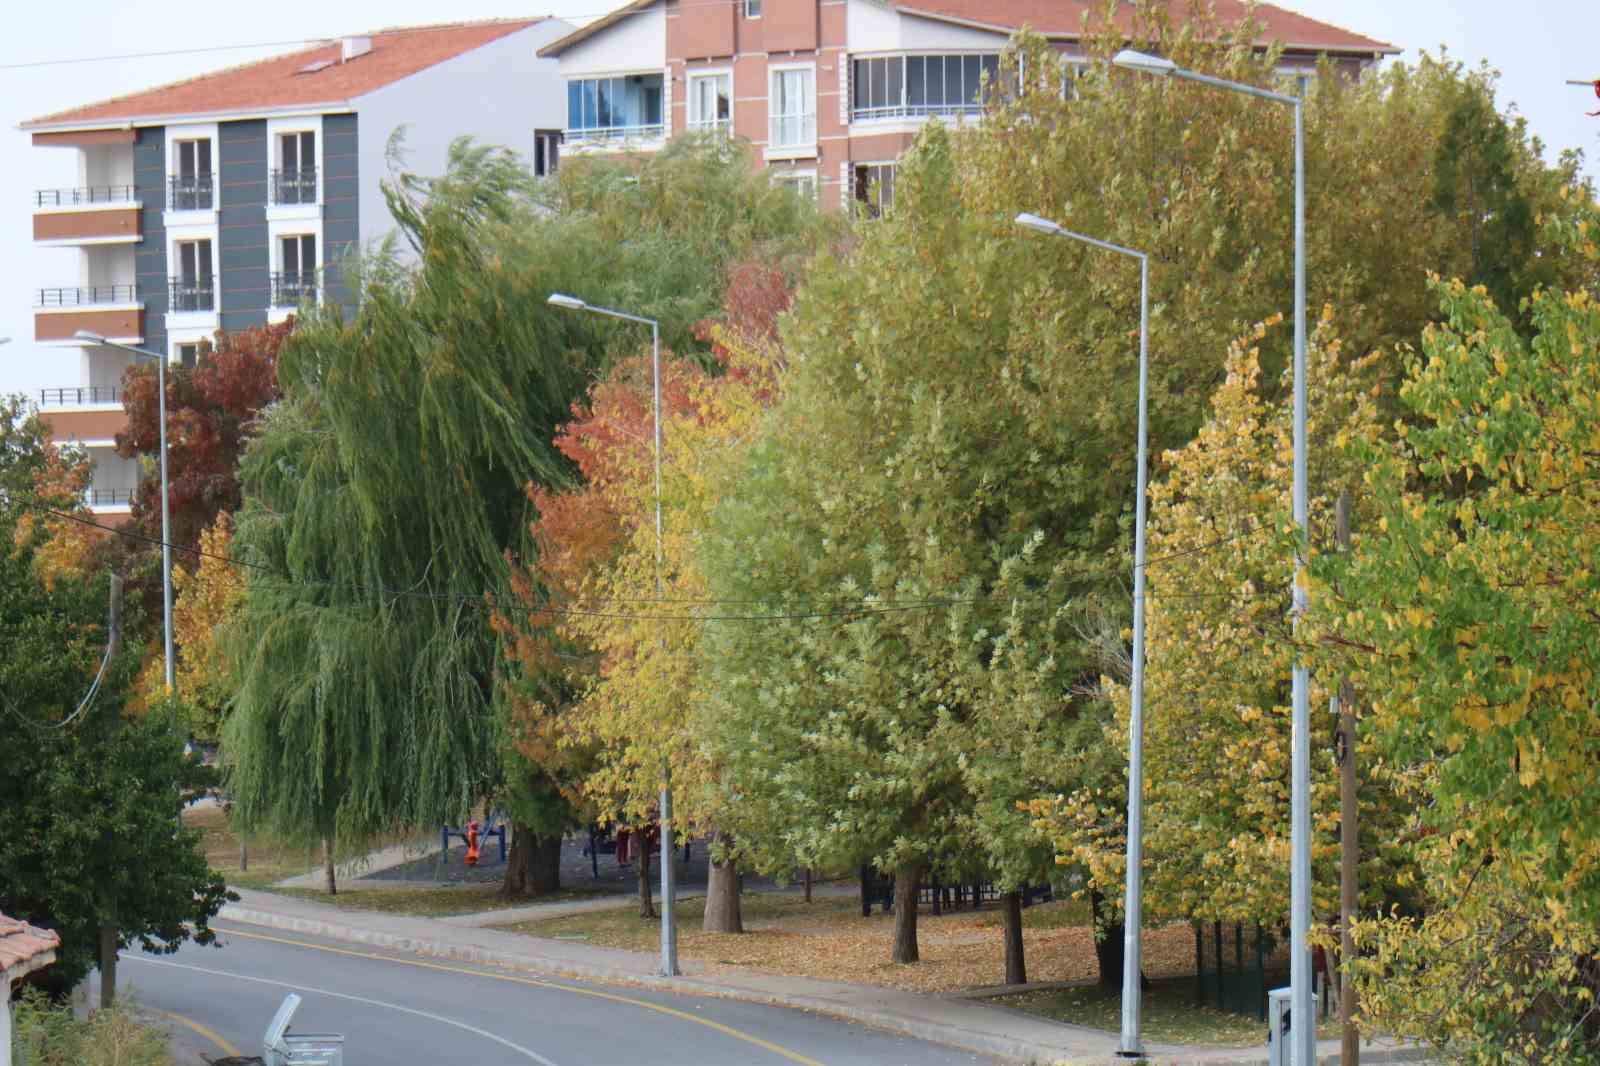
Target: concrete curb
[[695, 982]]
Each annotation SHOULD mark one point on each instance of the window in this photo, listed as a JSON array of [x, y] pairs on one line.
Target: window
[[193, 288], [711, 102], [874, 189], [794, 109], [913, 86], [191, 177], [296, 281], [295, 180], [752, 9], [189, 355], [627, 106], [801, 182], [546, 152]]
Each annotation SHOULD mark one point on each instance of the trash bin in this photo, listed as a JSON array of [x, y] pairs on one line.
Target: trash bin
[[279, 1048], [1279, 1000]]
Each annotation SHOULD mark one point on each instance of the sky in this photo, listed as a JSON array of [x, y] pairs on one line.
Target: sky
[[1535, 44]]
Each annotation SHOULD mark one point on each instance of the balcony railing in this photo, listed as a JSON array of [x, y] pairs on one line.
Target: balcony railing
[[793, 131], [79, 395], [723, 126], [615, 134], [194, 192], [85, 295], [294, 186], [107, 497], [294, 289], [89, 194], [866, 114], [191, 294]]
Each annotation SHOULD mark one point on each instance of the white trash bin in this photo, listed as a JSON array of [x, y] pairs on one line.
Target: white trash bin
[[279, 1048], [1279, 1000]]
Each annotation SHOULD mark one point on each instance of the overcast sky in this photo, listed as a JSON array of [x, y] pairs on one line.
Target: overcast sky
[[1536, 44]]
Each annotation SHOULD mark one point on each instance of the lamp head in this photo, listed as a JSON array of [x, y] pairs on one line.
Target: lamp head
[[571, 303], [1128, 59], [1034, 222], [90, 336]]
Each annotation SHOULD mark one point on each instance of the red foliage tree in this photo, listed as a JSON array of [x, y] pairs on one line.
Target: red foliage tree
[[209, 411]]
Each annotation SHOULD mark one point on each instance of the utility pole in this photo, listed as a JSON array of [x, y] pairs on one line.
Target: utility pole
[[1349, 836], [108, 930]]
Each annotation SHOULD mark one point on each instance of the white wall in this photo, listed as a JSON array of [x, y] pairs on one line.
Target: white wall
[[871, 26], [635, 43], [498, 94]]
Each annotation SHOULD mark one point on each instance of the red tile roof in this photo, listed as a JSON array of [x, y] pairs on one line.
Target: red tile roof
[[1065, 18], [21, 944], [277, 83]]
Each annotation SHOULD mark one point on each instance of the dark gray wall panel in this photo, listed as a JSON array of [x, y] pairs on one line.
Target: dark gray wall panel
[[243, 258], [150, 254], [340, 188]]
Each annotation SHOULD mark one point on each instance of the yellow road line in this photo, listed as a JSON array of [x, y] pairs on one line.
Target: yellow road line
[[216, 1038], [593, 993]]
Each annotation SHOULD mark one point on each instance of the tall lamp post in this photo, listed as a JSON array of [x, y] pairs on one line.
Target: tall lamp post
[[166, 518], [1303, 1033], [669, 925], [1128, 1046]]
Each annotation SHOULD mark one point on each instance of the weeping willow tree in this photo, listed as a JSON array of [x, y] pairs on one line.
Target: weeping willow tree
[[386, 491]]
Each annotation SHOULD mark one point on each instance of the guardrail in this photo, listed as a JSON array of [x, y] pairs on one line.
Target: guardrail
[[107, 497], [88, 194], [82, 295], [192, 193], [191, 294], [79, 395]]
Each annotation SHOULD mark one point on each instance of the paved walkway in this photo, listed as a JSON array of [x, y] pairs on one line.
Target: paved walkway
[[958, 1022]]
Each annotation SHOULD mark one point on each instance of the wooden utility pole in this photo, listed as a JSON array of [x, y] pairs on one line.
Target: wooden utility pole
[[108, 929], [1349, 836]]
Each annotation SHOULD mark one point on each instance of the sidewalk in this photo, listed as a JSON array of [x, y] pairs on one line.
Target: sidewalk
[[958, 1022]]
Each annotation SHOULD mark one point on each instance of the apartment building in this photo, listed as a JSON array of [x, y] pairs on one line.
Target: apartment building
[[231, 199], [831, 92]]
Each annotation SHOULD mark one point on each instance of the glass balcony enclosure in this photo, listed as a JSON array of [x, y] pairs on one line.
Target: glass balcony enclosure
[[625, 107], [916, 86]]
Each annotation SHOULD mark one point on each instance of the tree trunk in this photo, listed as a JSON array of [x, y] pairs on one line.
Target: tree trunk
[[807, 882], [544, 864], [108, 966], [515, 883], [723, 914], [1011, 929], [1107, 944], [646, 908], [244, 855], [905, 913], [327, 865]]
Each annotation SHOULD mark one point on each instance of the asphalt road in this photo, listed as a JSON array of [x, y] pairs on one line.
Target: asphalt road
[[397, 1010]]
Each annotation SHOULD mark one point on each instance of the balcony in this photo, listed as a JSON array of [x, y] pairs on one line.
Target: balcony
[[80, 396], [186, 295], [108, 497], [113, 311], [192, 192], [291, 289], [292, 187], [615, 136], [90, 427], [93, 214]]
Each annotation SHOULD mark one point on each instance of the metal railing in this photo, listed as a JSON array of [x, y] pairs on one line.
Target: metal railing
[[194, 192], [866, 114], [615, 134], [81, 295], [793, 131], [291, 289], [294, 186], [79, 395], [723, 126], [191, 294], [89, 194], [107, 497]]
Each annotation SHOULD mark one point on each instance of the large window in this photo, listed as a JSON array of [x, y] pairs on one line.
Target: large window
[[626, 107], [911, 86], [193, 289], [794, 109], [295, 179], [296, 280], [874, 189], [546, 152], [711, 102], [191, 175]]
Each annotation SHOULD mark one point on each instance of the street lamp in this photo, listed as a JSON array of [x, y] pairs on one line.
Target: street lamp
[[669, 925], [1303, 1038], [1128, 1045], [166, 518]]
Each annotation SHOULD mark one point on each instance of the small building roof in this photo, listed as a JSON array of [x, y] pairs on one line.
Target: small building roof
[[309, 78], [24, 948], [1065, 19]]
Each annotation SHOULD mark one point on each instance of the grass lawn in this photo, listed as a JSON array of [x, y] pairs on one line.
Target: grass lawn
[[1167, 1015], [829, 938], [270, 860], [430, 902]]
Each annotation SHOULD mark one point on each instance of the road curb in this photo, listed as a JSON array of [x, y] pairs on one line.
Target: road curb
[[951, 1035]]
